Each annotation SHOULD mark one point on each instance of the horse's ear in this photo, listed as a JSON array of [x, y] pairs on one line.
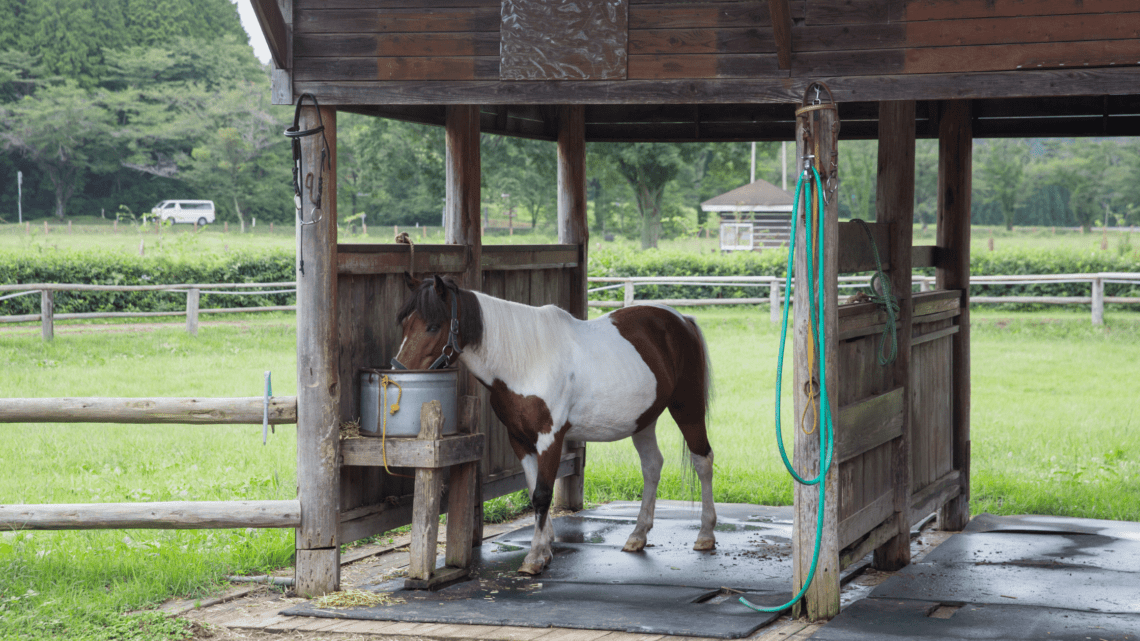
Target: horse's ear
[[440, 287], [411, 281]]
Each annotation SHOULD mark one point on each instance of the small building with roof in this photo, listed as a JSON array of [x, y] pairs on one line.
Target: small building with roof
[[752, 217]]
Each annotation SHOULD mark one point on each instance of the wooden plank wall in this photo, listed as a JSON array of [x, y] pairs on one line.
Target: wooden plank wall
[[370, 290], [458, 40]]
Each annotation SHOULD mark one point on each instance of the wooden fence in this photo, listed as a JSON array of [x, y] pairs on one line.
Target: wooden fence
[[180, 515], [774, 285]]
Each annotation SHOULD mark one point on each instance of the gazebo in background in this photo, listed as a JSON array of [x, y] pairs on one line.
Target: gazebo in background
[[752, 217]]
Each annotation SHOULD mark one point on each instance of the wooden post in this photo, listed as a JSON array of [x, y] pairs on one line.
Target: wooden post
[[461, 227], [46, 228], [1098, 301], [318, 396], [192, 296], [955, 156], [895, 205], [574, 229], [822, 598], [775, 309], [47, 320], [425, 503], [627, 294], [461, 496]]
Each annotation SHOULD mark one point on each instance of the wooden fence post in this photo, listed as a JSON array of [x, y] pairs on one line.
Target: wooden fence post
[[461, 227], [775, 310], [895, 205], [955, 158], [1098, 301], [627, 298], [573, 229], [192, 296], [47, 307], [318, 393], [425, 503], [821, 601]]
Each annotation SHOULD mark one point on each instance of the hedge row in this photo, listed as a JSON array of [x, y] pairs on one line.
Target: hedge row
[[619, 262], [107, 268]]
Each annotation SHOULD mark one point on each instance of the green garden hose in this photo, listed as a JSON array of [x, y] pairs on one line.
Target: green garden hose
[[816, 315]]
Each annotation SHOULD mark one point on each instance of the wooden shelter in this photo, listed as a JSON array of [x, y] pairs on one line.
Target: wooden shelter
[[662, 70], [752, 216]]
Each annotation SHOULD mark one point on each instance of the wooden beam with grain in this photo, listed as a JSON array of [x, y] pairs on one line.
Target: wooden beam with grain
[[318, 393], [955, 156], [895, 208], [166, 515], [277, 33], [159, 410], [782, 31]]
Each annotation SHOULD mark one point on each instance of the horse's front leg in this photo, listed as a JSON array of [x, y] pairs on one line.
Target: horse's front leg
[[542, 468], [651, 461]]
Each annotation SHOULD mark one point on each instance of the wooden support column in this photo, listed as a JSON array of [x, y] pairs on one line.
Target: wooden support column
[[573, 229], [318, 396], [193, 295], [955, 156], [895, 206], [822, 599], [462, 226]]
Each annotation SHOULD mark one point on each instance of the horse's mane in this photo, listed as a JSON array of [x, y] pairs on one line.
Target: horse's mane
[[436, 310]]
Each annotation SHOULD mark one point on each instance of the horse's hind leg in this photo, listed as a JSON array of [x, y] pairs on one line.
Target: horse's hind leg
[[701, 454], [706, 540], [651, 461]]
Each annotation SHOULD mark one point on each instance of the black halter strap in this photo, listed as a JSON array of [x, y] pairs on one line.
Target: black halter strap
[[295, 133], [445, 359]]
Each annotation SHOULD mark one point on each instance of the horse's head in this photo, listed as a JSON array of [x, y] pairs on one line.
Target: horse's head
[[439, 321]]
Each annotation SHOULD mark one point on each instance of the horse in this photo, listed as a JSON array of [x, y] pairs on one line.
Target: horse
[[554, 377]]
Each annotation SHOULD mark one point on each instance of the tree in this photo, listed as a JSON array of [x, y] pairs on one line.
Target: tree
[[63, 130], [1078, 168], [925, 181], [1002, 168], [525, 169], [401, 171], [648, 168], [858, 175], [245, 162]]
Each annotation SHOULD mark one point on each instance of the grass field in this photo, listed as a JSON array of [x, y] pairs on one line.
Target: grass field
[[95, 233], [1054, 431]]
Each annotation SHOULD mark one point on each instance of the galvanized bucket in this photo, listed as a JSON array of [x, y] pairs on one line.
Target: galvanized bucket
[[408, 390]]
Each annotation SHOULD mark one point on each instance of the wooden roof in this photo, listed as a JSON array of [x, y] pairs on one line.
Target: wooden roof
[[715, 69], [760, 195]]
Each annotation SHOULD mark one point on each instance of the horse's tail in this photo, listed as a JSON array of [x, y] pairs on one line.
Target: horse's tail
[[704, 373]]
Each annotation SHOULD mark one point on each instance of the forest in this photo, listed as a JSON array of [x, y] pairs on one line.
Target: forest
[[109, 106]]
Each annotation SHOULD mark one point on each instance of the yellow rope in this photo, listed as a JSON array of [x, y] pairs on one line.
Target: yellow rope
[[384, 383], [813, 397]]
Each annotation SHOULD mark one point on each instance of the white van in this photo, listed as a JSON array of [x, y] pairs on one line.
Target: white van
[[185, 211]]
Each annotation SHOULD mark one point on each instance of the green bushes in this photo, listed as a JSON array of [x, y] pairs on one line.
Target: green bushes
[[107, 268], [618, 262]]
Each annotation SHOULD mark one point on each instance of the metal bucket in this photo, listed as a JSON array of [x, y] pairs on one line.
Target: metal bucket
[[416, 388]]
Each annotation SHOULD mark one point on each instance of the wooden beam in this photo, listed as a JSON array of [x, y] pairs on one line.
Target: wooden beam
[[870, 517], [955, 153], [858, 88], [573, 229], [782, 31], [188, 411], [462, 226], [410, 452], [425, 505], [867, 424], [895, 208], [822, 597], [275, 30], [167, 515], [855, 251], [318, 394]]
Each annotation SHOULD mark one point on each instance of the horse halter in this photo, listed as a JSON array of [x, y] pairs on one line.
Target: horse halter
[[445, 359]]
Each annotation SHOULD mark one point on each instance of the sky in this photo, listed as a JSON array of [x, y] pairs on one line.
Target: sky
[[249, 21]]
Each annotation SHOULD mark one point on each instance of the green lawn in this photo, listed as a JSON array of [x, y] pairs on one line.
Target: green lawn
[[1054, 432]]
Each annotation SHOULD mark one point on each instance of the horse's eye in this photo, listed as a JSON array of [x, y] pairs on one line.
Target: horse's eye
[[433, 328]]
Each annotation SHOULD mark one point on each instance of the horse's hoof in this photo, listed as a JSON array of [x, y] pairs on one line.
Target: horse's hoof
[[704, 545], [634, 545], [530, 569]]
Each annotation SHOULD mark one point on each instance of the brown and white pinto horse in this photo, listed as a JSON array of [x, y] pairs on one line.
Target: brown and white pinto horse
[[553, 377]]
